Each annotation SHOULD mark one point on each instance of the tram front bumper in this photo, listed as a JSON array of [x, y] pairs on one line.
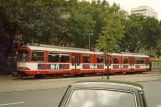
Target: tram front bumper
[[19, 74]]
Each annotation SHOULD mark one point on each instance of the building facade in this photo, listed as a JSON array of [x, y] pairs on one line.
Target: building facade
[[145, 10]]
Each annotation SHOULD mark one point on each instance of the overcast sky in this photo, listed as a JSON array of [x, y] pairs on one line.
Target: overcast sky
[[128, 4]]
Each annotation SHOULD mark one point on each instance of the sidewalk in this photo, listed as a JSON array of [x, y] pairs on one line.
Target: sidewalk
[[9, 84]]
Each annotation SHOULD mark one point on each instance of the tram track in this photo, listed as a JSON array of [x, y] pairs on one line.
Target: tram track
[[147, 74]]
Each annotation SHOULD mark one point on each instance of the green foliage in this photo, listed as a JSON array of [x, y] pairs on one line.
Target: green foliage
[[40, 21], [134, 36], [112, 27], [73, 23], [81, 23], [93, 21], [152, 32], [141, 32]]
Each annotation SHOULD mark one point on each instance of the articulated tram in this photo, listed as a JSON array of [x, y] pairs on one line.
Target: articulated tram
[[40, 60]]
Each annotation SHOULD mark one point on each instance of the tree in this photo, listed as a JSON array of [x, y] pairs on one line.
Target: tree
[[112, 29], [81, 24], [134, 38], [42, 21], [36, 21], [154, 41], [152, 31], [152, 34], [8, 28], [91, 20], [39, 20]]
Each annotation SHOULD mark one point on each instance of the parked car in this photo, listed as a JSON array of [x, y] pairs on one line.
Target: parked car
[[103, 94]]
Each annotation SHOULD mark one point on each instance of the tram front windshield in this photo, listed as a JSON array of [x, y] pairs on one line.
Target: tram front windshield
[[23, 55]]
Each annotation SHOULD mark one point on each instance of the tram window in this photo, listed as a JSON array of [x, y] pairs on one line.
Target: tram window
[[37, 56], [86, 58], [23, 55], [140, 60], [53, 57], [100, 59], [64, 57], [125, 60], [115, 59]]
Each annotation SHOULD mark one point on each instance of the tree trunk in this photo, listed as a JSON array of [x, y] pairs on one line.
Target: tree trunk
[[9, 47]]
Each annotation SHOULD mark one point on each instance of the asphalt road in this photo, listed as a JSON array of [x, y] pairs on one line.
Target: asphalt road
[[10, 84], [51, 97]]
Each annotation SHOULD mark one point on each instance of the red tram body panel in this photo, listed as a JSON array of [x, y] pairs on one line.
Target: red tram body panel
[[55, 60]]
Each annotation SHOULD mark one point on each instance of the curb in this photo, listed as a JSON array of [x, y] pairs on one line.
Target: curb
[[149, 80]]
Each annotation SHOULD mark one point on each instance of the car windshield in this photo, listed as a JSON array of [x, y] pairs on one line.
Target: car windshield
[[101, 98], [23, 55]]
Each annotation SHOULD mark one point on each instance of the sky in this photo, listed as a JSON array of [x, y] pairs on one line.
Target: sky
[[128, 4]]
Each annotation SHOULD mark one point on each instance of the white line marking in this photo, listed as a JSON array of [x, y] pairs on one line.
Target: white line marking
[[11, 103]]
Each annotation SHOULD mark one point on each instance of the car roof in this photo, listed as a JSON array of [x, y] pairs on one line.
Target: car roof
[[121, 85]]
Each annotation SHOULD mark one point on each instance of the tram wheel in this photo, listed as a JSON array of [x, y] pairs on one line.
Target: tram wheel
[[37, 76]]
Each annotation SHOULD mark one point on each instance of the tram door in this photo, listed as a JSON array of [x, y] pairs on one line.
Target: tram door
[[76, 62], [132, 63]]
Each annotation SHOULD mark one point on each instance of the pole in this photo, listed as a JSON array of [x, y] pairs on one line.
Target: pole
[[102, 75], [108, 68], [104, 55]]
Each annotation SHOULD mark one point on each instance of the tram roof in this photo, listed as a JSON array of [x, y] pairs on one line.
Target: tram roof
[[129, 54], [40, 47], [61, 49], [133, 54]]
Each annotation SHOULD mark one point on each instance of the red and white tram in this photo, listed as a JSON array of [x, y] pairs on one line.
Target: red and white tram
[[55, 60], [128, 62]]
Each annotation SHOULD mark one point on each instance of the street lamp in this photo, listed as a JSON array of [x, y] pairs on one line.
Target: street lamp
[[89, 42]]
